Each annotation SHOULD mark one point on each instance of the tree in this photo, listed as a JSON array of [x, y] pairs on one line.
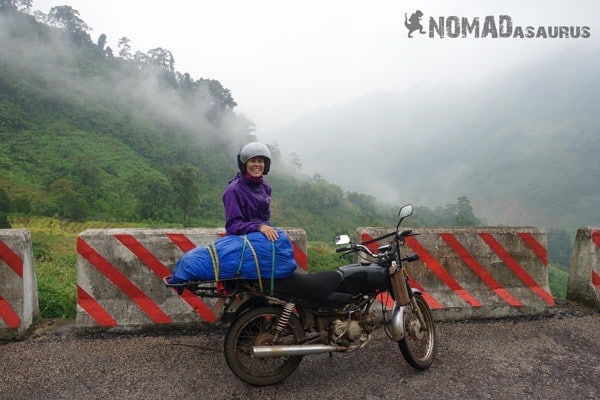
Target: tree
[[214, 94], [185, 84], [124, 48], [23, 205], [7, 6], [455, 214], [162, 59], [364, 201], [86, 171], [294, 161], [5, 208], [102, 41], [154, 197], [275, 151], [464, 213], [560, 247], [68, 18], [70, 204], [185, 181], [5, 204]]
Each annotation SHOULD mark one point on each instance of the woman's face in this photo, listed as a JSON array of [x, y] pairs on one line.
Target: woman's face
[[255, 167]]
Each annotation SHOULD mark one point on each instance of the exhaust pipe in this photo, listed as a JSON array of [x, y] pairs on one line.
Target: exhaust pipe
[[293, 350]]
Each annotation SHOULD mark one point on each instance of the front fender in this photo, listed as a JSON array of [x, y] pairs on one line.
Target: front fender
[[397, 323]]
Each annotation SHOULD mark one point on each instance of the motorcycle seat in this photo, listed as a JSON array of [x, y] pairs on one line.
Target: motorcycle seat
[[317, 286]]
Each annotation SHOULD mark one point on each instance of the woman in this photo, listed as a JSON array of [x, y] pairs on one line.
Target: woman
[[247, 198]]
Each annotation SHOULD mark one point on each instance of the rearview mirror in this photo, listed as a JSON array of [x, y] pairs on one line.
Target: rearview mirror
[[342, 239], [405, 211]]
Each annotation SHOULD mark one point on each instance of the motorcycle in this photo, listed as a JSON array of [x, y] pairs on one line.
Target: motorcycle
[[331, 311]]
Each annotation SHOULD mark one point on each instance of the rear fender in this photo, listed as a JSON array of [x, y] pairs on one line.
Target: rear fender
[[240, 305]]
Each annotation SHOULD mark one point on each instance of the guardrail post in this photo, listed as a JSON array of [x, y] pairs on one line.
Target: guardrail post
[[584, 273], [18, 285]]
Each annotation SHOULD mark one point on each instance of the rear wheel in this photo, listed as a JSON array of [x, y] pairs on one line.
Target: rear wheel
[[419, 343], [256, 327]]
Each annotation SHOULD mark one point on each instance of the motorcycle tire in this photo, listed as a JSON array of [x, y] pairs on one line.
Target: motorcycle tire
[[256, 327], [419, 345]]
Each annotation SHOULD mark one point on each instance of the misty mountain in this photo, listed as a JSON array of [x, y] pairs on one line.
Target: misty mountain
[[89, 136], [523, 146]]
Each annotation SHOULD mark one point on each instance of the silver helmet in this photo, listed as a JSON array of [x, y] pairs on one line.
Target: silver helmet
[[251, 150]]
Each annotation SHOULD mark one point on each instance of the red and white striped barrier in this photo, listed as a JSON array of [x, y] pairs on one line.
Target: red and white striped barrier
[[584, 273], [18, 286], [120, 272], [486, 272]]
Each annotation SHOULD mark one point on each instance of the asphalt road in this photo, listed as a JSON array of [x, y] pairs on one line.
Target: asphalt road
[[555, 357]]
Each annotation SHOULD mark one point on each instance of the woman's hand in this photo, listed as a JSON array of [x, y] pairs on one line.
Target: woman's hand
[[269, 232]]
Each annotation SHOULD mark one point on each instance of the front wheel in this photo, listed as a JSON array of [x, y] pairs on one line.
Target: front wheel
[[419, 343], [256, 327]]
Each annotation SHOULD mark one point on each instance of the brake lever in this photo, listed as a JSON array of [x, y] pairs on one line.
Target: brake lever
[[345, 248], [411, 258], [409, 232]]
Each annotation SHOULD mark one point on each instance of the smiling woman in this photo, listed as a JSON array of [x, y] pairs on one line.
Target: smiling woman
[[247, 199]]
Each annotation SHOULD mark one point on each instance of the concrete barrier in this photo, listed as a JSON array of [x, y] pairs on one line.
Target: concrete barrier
[[120, 271], [18, 286], [584, 274], [487, 272]]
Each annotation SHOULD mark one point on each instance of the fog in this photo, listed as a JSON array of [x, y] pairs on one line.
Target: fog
[[522, 146], [284, 59], [55, 62], [423, 119]]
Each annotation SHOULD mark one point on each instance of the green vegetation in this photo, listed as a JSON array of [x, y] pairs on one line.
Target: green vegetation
[[57, 286], [558, 278], [93, 139], [322, 257]]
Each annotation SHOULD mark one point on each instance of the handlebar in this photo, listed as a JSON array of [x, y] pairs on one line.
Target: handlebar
[[377, 239], [356, 247], [404, 233], [363, 246], [345, 248]]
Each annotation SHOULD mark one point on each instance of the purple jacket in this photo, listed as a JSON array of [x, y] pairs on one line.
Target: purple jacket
[[247, 205]]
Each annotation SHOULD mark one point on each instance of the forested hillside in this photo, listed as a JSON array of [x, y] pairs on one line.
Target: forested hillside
[[95, 137], [90, 133], [523, 146]]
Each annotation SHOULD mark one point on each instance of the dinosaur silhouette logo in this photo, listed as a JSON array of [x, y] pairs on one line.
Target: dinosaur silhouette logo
[[414, 23]]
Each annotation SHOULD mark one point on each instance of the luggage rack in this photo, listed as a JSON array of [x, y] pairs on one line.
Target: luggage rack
[[222, 288]]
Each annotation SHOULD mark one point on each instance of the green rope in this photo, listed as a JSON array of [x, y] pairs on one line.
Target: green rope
[[255, 262], [272, 268], [215, 259]]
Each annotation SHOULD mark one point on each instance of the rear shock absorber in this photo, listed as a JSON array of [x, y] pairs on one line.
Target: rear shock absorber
[[288, 308]]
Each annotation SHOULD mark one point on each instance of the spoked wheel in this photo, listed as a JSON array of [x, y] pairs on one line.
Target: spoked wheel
[[419, 343], [257, 328]]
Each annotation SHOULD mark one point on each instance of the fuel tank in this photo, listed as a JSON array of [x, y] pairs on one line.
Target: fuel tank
[[363, 278]]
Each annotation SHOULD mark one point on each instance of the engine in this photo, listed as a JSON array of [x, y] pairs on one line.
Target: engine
[[348, 332]]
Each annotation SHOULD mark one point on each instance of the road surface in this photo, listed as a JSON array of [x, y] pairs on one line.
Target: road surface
[[556, 357]]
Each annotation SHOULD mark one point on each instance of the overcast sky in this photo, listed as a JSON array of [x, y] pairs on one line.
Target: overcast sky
[[281, 58]]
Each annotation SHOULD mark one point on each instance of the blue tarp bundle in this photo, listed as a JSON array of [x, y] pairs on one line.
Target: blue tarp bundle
[[250, 256]]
